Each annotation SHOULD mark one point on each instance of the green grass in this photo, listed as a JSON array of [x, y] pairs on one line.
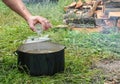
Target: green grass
[[82, 49]]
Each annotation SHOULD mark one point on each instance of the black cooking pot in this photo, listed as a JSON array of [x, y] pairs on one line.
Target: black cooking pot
[[41, 58]]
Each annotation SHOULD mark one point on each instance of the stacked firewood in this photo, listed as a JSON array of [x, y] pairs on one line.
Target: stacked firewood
[[81, 14]]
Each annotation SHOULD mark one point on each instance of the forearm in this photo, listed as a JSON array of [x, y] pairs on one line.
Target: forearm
[[19, 7]]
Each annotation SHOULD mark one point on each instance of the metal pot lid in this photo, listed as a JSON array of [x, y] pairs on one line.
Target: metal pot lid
[[41, 47]]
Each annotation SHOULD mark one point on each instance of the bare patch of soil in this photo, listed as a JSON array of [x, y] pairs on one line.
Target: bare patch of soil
[[111, 70]]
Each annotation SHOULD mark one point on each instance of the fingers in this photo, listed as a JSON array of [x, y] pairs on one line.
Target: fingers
[[31, 25], [45, 23], [32, 21]]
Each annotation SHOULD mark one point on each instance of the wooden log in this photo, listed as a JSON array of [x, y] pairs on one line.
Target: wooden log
[[88, 30], [73, 4], [79, 4], [114, 14], [92, 11], [85, 25], [87, 7]]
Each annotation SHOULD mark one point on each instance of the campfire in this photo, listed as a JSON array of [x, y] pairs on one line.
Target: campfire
[[93, 15]]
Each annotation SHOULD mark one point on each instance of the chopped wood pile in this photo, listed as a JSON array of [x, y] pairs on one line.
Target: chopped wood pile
[[81, 14], [92, 13]]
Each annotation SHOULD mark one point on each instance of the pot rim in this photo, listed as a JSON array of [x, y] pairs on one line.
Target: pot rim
[[62, 47]]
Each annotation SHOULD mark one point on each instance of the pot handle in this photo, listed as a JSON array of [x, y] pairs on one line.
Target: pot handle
[[64, 47], [15, 53]]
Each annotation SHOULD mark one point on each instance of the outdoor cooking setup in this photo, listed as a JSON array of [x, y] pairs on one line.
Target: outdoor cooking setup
[[39, 56], [95, 15]]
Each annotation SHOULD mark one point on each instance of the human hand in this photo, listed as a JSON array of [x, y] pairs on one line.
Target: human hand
[[33, 20]]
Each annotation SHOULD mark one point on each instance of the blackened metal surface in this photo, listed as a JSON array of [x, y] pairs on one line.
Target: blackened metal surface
[[41, 64]]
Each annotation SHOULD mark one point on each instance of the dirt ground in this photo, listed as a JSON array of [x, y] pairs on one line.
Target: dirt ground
[[110, 69]]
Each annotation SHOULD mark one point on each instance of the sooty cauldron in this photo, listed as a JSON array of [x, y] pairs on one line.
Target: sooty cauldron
[[41, 58]]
